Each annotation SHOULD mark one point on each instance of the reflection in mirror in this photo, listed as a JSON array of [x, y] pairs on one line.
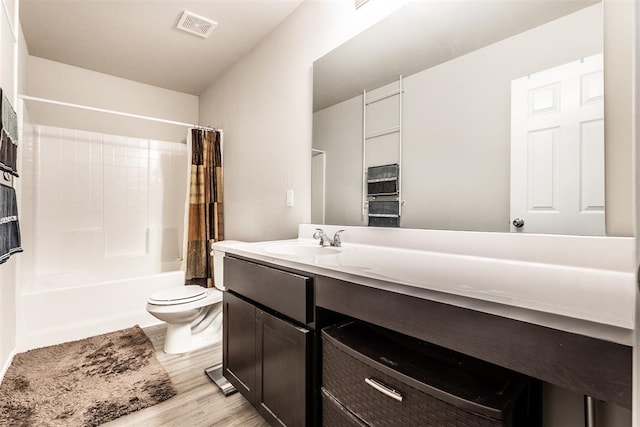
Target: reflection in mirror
[[557, 149], [451, 121], [318, 170]]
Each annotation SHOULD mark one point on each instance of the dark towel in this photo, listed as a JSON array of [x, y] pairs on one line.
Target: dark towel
[[8, 137], [8, 154], [9, 226], [9, 118]]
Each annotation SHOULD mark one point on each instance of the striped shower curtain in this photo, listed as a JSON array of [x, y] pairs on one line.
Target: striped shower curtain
[[205, 207]]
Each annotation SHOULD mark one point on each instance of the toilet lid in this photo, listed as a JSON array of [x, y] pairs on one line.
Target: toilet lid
[[179, 295]]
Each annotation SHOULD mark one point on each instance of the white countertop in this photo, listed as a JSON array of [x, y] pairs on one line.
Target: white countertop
[[580, 284]]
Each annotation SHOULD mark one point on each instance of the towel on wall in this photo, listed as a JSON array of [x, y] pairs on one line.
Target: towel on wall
[[8, 154], [9, 226], [8, 136]]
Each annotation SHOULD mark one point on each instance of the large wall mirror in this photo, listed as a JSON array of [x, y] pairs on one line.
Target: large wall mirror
[[498, 117]]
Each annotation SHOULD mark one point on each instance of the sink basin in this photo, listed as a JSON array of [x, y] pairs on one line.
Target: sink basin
[[296, 249]]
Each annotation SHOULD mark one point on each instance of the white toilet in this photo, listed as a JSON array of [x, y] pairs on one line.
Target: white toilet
[[188, 311], [192, 311]]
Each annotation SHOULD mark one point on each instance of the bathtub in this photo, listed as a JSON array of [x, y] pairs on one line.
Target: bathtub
[[58, 315]]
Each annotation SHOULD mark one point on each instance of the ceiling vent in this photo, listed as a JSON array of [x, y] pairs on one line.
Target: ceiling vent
[[360, 3], [195, 24]]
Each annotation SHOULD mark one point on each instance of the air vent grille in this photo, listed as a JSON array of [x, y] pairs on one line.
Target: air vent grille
[[360, 3], [195, 24]]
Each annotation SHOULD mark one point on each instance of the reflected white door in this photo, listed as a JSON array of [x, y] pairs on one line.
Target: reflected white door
[[318, 166], [557, 150]]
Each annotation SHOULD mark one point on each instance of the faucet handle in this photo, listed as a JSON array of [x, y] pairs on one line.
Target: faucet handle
[[319, 234], [336, 237]]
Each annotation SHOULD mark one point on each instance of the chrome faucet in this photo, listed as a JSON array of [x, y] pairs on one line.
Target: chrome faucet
[[324, 239]]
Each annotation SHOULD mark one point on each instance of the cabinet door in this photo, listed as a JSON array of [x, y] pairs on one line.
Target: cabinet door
[[239, 345], [284, 377]]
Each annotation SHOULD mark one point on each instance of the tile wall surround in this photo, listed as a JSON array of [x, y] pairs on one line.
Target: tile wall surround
[[105, 207]]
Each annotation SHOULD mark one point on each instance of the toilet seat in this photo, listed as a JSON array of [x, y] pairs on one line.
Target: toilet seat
[[178, 295]]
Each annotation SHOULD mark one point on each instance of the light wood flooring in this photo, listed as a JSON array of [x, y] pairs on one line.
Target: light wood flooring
[[199, 402]]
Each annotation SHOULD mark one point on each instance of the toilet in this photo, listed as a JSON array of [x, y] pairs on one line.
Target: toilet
[[192, 312], [189, 311]]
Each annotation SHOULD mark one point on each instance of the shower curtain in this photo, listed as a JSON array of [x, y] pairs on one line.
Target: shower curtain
[[204, 214]]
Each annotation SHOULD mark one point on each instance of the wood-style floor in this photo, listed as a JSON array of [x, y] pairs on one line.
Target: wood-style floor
[[199, 402]]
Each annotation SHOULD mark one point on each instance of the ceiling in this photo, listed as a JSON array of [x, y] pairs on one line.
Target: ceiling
[[138, 39]]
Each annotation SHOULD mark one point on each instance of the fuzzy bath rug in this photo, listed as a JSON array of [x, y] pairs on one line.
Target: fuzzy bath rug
[[83, 383]]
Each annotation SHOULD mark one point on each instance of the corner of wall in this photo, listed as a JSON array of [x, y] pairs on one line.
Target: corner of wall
[[6, 365]]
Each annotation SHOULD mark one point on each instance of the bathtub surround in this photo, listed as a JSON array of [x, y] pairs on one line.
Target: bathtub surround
[[119, 215], [87, 382], [204, 216]]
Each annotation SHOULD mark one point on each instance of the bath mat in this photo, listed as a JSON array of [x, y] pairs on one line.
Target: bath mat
[[84, 383]]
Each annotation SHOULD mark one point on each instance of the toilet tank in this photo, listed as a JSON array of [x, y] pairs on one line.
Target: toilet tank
[[218, 249]]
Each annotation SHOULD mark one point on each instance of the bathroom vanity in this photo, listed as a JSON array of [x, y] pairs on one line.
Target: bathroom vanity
[[560, 322], [268, 322]]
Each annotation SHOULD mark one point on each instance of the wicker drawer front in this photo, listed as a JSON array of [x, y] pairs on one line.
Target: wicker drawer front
[[380, 395], [344, 377], [336, 415]]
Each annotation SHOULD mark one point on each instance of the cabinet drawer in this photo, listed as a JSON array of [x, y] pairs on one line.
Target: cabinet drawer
[[336, 415], [287, 293], [384, 383]]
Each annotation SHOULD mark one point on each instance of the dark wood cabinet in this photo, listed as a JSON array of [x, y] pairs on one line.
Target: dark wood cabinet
[[239, 345], [267, 356], [273, 316], [585, 365], [283, 374]]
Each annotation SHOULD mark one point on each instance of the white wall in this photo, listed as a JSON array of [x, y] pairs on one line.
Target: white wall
[[13, 52], [338, 131], [456, 135], [635, 24], [264, 105], [620, 35], [62, 82]]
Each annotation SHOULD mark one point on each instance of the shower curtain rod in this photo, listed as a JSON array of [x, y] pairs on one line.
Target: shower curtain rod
[[117, 113]]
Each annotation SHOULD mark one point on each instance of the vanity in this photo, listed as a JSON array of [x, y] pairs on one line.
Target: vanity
[[563, 315], [268, 317]]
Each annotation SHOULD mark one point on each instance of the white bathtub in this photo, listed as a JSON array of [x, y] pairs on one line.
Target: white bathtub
[[54, 316]]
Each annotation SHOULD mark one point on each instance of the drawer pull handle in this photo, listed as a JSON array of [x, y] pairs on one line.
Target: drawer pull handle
[[384, 389]]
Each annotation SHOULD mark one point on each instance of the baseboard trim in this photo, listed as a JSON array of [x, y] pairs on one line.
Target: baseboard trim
[[5, 368]]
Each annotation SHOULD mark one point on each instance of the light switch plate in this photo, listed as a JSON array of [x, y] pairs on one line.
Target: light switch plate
[[289, 198]]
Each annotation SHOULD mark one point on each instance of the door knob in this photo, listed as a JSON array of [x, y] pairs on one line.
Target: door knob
[[518, 222]]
